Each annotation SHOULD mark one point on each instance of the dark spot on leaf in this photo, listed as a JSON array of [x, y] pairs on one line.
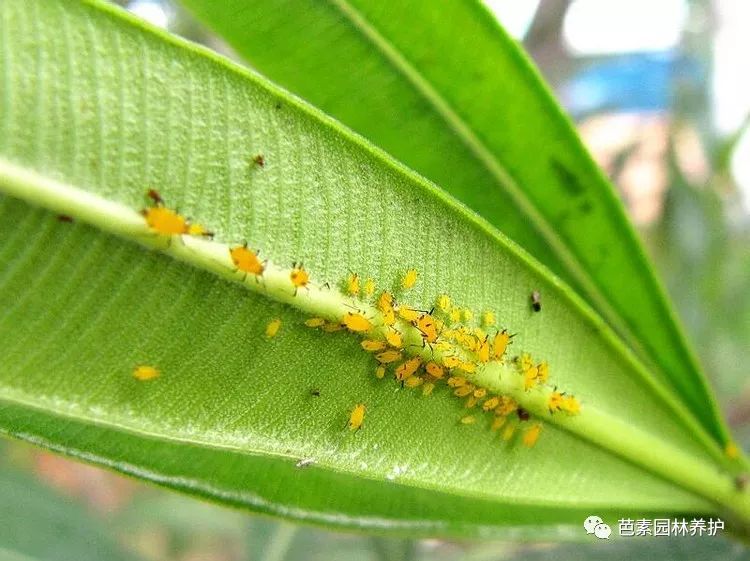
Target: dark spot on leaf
[[536, 301], [259, 160], [64, 218], [523, 415], [567, 178]]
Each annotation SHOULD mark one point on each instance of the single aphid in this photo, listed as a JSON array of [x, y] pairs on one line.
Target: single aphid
[[497, 423], [543, 372], [536, 301], [467, 314], [352, 284], [199, 230], [356, 322], [484, 350], [531, 435], [732, 451], [555, 401], [434, 370], [507, 406], [427, 328], [369, 287], [571, 405], [386, 357], [408, 314], [315, 322], [530, 378], [469, 367], [463, 391], [315, 392], [413, 382], [509, 432], [427, 388], [500, 343], [456, 381], [444, 303], [380, 372], [479, 393], [410, 279], [385, 301], [491, 403], [299, 277], [357, 416], [273, 328], [451, 362], [455, 315], [246, 260], [332, 327], [145, 373], [468, 420], [488, 319], [394, 338], [372, 345], [408, 368], [165, 221], [259, 160], [525, 361]]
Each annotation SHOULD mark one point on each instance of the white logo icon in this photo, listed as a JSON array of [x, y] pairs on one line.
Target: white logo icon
[[602, 531], [595, 525], [590, 524]]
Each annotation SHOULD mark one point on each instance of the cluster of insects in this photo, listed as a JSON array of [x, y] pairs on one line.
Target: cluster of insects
[[423, 350]]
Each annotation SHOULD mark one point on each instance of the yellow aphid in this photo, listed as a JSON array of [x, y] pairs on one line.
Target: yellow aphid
[[427, 328], [456, 381], [372, 345], [273, 328], [246, 260], [491, 403], [449, 334], [386, 357], [444, 302], [299, 277], [508, 432], [443, 346], [199, 230], [479, 393], [315, 322], [389, 317], [468, 420], [369, 288], [413, 382], [408, 314], [525, 361], [498, 422], [332, 327], [484, 350], [352, 284], [166, 221], [427, 388], [394, 338], [543, 372], [488, 319], [385, 301], [732, 451], [555, 402], [480, 333], [452, 362], [408, 368], [380, 372], [467, 314], [434, 370], [530, 378], [499, 344], [356, 322], [469, 367], [507, 406], [410, 278], [532, 435], [463, 391], [455, 315], [471, 402], [571, 405], [357, 416], [145, 373]]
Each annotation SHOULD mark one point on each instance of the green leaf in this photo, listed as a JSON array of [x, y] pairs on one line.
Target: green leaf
[[447, 92], [36, 524], [96, 108]]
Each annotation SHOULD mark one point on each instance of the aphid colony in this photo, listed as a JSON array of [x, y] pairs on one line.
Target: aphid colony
[[423, 349]]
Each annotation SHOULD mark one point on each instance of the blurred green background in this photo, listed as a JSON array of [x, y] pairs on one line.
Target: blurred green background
[[661, 93]]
